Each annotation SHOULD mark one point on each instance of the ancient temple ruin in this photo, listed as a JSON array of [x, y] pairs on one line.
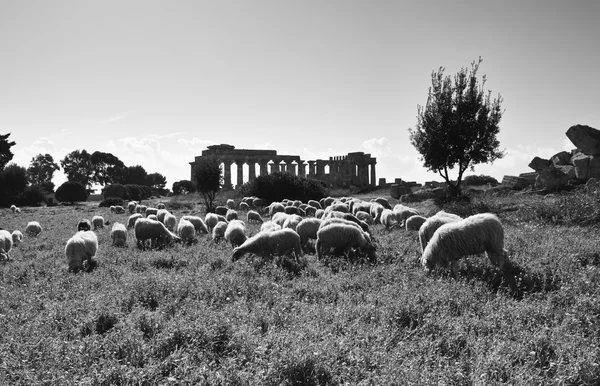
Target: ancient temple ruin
[[356, 168]]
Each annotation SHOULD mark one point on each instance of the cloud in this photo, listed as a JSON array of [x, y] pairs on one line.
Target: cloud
[[383, 148], [116, 117], [195, 143]]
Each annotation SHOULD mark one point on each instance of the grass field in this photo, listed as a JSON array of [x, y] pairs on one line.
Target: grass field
[[188, 315]]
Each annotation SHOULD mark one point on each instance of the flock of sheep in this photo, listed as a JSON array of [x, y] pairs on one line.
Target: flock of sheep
[[329, 226]]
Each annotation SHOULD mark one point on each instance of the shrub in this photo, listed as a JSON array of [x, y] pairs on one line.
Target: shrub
[[32, 196], [127, 192], [280, 185], [114, 190], [13, 180], [479, 180], [112, 201], [71, 191]]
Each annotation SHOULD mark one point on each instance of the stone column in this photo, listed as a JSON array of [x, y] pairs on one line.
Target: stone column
[[301, 168], [373, 177], [264, 167], [251, 170], [311, 168], [321, 168], [282, 167], [240, 173], [227, 174]]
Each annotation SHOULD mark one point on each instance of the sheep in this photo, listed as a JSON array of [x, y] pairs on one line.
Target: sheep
[[17, 237], [362, 206], [258, 202], [432, 224], [141, 209], [6, 243], [155, 231], [337, 220], [218, 231], [150, 211], [376, 210], [243, 206], [315, 204], [161, 206], [349, 217], [267, 244], [18, 210], [345, 237], [98, 222], [153, 217], [475, 234], [291, 210], [340, 207], [131, 206], [211, 220], [254, 216], [325, 202], [33, 228], [292, 221], [319, 213], [276, 207], [279, 218], [160, 215], [119, 209], [170, 222], [364, 216], [132, 219], [404, 212], [80, 248], [186, 231], [112, 209], [235, 233], [118, 235], [13, 208], [310, 211], [269, 226], [199, 225], [413, 223], [84, 225], [231, 215], [307, 229], [382, 201], [222, 210], [221, 218], [388, 218], [230, 204]]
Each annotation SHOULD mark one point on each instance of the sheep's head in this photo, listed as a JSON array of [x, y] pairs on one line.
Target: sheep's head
[[237, 254], [84, 225]]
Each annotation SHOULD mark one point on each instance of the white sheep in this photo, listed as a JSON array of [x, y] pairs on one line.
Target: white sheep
[[98, 222], [13, 208], [235, 233], [310, 211], [18, 210], [382, 201], [432, 224], [388, 218], [150, 211], [33, 228], [80, 248], [404, 212], [254, 216], [320, 213], [221, 218], [6, 243], [276, 207], [132, 219], [268, 244], [362, 206], [161, 206], [376, 210], [218, 231], [131, 206], [307, 229], [112, 209], [118, 235], [160, 215], [141, 209], [475, 234], [413, 223], [291, 209], [170, 222], [364, 216], [17, 237], [186, 231], [243, 206], [315, 204], [344, 237], [230, 203], [199, 225], [155, 231], [292, 221], [84, 225], [269, 226], [279, 218], [350, 217], [211, 220], [119, 209], [222, 210], [153, 217], [231, 215]]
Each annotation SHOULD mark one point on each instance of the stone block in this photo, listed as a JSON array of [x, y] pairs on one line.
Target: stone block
[[585, 138]]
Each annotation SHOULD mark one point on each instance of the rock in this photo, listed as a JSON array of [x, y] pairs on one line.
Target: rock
[[569, 170], [551, 178], [424, 194], [562, 158], [529, 177], [538, 164], [398, 190], [515, 182], [585, 138], [586, 166]]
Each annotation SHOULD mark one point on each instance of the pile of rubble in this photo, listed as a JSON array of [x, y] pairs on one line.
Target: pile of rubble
[[564, 168]]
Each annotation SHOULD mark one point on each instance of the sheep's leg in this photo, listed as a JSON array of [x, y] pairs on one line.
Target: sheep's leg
[[454, 268]]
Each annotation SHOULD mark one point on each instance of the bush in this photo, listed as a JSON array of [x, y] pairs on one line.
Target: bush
[[114, 191], [479, 180], [32, 196], [13, 180], [127, 192], [71, 191], [280, 185], [112, 201]]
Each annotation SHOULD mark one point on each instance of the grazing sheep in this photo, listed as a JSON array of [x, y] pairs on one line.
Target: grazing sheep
[[382, 201], [119, 209], [310, 211], [33, 228], [388, 218], [160, 215], [243, 206], [307, 229], [118, 235], [364, 216], [292, 221], [186, 231], [319, 213], [132, 219], [325, 202], [199, 225], [340, 207], [254, 216], [337, 220], [218, 231], [211, 220], [153, 230], [276, 207], [231, 215], [268, 244], [222, 210], [150, 211], [161, 206], [376, 210], [315, 204], [413, 223], [80, 248], [475, 234], [230, 204], [18, 210], [98, 222], [345, 237], [404, 212], [141, 209], [6, 243], [269, 226], [131, 206], [17, 237], [153, 217], [235, 233], [112, 209], [350, 217], [13, 208], [432, 224], [170, 222], [84, 225], [362, 206], [221, 218], [291, 210], [258, 202], [279, 218]]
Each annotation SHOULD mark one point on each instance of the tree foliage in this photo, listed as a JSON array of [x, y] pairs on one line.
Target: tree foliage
[[78, 167], [458, 125], [156, 180], [41, 169], [13, 180], [5, 154], [183, 187], [136, 175], [279, 185], [71, 191], [108, 169], [208, 179]]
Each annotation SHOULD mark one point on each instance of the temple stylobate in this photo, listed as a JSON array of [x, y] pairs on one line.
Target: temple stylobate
[[352, 169]]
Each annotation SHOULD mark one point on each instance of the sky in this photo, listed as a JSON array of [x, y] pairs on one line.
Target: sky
[[156, 82]]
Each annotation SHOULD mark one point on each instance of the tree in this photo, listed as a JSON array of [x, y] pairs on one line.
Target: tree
[[156, 180], [78, 167], [136, 175], [183, 187], [13, 180], [71, 191], [108, 169], [5, 154], [208, 179], [41, 169], [458, 126]]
